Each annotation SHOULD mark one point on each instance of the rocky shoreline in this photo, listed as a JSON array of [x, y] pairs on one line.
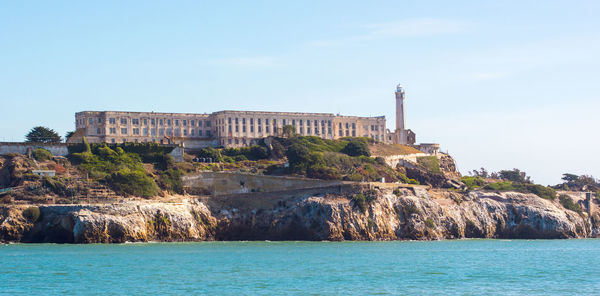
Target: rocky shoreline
[[399, 215]]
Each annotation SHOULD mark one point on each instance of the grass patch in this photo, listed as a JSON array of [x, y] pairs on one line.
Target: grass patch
[[430, 163], [41, 154], [32, 214]]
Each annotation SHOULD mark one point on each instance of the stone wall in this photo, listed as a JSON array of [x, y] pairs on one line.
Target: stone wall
[[57, 149], [219, 183]]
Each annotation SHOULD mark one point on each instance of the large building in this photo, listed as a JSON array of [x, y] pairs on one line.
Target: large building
[[232, 128]]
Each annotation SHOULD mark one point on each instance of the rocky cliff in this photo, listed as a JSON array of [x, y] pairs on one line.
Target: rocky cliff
[[385, 215]]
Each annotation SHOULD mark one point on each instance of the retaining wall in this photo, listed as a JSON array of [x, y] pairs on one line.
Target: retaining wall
[[220, 183], [57, 149]]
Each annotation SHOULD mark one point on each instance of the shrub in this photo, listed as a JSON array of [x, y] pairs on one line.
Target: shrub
[[500, 186], [322, 172], [356, 148], [41, 154], [57, 186], [133, 182], [360, 200], [32, 214], [569, 204], [539, 190], [170, 180], [429, 223], [430, 163], [473, 182]]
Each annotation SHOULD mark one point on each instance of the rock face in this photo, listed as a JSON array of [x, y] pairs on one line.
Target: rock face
[[387, 216]]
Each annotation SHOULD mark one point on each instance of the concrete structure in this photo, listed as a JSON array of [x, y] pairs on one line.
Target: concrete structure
[[44, 173], [224, 128], [57, 149], [401, 135]]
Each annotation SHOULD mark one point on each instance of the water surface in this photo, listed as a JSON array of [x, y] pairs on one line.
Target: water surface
[[462, 267]]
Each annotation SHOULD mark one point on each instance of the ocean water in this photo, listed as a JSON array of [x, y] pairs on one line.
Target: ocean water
[[460, 267]]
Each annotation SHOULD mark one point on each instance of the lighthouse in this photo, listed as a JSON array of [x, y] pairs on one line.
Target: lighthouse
[[400, 121]]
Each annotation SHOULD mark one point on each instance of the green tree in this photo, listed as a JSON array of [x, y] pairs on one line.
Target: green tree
[[40, 134], [356, 148], [515, 175]]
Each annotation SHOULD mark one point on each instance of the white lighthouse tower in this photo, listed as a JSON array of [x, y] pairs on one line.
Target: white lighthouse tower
[[400, 121], [401, 135]]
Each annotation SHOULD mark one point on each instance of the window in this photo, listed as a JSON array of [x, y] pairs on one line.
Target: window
[[340, 125], [192, 132], [135, 121], [208, 133], [251, 120], [354, 133], [308, 129], [329, 131], [230, 128], [192, 122], [176, 122], [243, 120], [99, 120], [243, 128], [329, 123], [184, 122], [113, 130], [347, 125], [229, 122], [123, 120], [237, 141], [153, 132], [267, 129], [161, 131], [112, 121], [323, 130], [199, 122], [353, 125], [284, 122], [347, 133], [152, 121], [136, 131], [308, 123], [98, 131], [259, 121], [301, 122], [266, 121], [123, 131], [251, 128], [169, 122], [236, 121], [185, 132], [145, 131], [207, 123], [200, 133], [90, 120], [293, 122], [145, 121], [260, 129], [160, 122], [237, 128], [112, 140], [317, 123]]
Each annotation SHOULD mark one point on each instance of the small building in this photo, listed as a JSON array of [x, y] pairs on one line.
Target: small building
[[44, 173]]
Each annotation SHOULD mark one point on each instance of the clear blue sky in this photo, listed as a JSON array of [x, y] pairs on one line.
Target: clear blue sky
[[499, 84]]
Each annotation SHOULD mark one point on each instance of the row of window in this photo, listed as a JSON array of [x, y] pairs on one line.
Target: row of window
[[160, 121], [161, 132], [273, 121]]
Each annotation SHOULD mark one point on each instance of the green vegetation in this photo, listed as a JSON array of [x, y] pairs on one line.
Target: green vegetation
[[539, 190], [362, 200], [32, 214], [430, 163], [356, 148], [41, 134], [41, 154], [569, 204], [170, 180], [121, 170], [473, 182], [429, 223], [134, 182]]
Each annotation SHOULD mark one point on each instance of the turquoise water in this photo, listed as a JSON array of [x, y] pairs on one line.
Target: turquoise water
[[464, 267]]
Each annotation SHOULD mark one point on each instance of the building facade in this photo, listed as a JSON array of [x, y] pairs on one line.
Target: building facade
[[219, 129], [232, 128]]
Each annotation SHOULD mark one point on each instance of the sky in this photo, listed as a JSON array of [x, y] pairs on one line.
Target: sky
[[499, 84]]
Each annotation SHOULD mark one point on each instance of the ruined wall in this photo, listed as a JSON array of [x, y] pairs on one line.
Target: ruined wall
[[219, 183], [57, 149]]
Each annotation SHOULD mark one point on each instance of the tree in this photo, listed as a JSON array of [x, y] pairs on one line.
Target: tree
[[356, 148], [40, 134], [515, 175], [68, 135], [289, 131]]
